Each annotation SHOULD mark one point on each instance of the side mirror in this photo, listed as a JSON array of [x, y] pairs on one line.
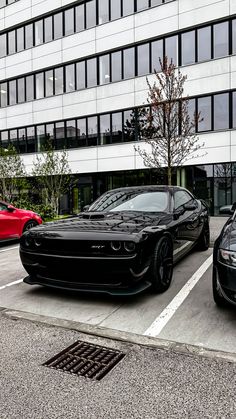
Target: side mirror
[[10, 208], [86, 208], [190, 207], [228, 209]]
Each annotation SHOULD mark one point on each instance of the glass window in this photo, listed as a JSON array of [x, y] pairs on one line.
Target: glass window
[[221, 39], [79, 17], [3, 50], [204, 44], [81, 132], [60, 135], [105, 129], [181, 198], [21, 90], [116, 123], [12, 92], [41, 137], [157, 55], [188, 47], [221, 111], [4, 139], [71, 133], [234, 36], [92, 72], [129, 125], [116, 66], [171, 49], [103, 11], [104, 69], [204, 107], [11, 42], [31, 144], [128, 58], [39, 80], [48, 29], [13, 138], [2, 3], [222, 170], [156, 2], [38, 32], [59, 81], [191, 109], [80, 75], [143, 59], [115, 9], [142, 4], [20, 39], [234, 109], [22, 140], [57, 18], [92, 131], [3, 91], [49, 82], [50, 134], [90, 14], [69, 21], [128, 7], [29, 36], [29, 88], [70, 78]]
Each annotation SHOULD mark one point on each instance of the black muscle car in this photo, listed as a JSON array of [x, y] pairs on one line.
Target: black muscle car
[[224, 262], [127, 241]]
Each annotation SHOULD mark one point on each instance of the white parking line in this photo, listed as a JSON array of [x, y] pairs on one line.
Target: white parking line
[[161, 321], [9, 248], [11, 283]]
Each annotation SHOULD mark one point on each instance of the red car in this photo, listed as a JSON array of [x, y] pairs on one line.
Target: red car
[[14, 221]]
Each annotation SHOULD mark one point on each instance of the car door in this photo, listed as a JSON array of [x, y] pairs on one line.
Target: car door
[[188, 222], [9, 223]]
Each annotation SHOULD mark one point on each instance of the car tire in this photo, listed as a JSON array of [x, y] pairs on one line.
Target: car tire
[[218, 298], [204, 239], [161, 269], [29, 225]]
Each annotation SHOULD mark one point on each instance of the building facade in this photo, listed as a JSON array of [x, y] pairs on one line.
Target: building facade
[[75, 71]]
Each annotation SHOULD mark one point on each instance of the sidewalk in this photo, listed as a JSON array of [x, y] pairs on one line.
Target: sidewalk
[[216, 224]]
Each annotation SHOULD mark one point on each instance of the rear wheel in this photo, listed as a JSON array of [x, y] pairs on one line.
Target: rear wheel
[[161, 269], [217, 296], [29, 225], [204, 239]]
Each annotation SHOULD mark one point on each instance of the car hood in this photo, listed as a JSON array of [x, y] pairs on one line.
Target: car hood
[[86, 224], [228, 236]]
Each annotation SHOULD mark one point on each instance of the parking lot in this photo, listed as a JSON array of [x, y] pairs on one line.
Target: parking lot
[[186, 313]]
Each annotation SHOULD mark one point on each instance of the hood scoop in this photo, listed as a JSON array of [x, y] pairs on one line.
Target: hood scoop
[[92, 216]]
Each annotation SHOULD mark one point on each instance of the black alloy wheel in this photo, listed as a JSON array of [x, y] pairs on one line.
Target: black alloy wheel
[[204, 239], [29, 225], [161, 269], [217, 296]]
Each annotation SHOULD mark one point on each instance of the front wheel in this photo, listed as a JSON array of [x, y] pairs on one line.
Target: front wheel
[[204, 239], [29, 225], [218, 298], [161, 269]]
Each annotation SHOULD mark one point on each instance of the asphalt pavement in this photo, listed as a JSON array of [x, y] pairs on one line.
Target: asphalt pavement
[[156, 378]]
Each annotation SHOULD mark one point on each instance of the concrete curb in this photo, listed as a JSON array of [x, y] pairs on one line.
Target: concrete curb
[[126, 337]]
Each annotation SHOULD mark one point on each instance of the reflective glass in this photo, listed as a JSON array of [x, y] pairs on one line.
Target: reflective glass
[[116, 66], [13, 139], [90, 14], [157, 55], [221, 111], [103, 11], [59, 81], [221, 41], [204, 107], [129, 125], [142, 4], [21, 90], [29, 88], [128, 7], [49, 82], [4, 139], [57, 25], [128, 59], [41, 138], [234, 36], [80, 75], [22, 140], [3, 50], [12, 92], [71, 133], [104, 69], [31, 143], [11, 42], [69, 21], [20, 39], [70, 78], [39, 80], [105, 129], [48, 29], [171, 48], [3, 92], [234, 109], [143, 59], [188, 47], [60, 135], [50, 134], [116, 121], [29, 36], [38, 32], [92, 131], [92, 72], [79, 17], [115, 9], [204, 43], [81, 132]]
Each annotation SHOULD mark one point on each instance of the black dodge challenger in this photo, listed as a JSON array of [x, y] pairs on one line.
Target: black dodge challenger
[[125, 242], [224, 262]]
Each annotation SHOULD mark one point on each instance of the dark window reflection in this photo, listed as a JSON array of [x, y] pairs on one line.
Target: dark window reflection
[[116, 123], [13, 139], [105, 129], [92, 131], [71, 133], [81, 132], [22, 140], [59, 135], [41, 138], [31, 144], [221, 111], [129, 125]]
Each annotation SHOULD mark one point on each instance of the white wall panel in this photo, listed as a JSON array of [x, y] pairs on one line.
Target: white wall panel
[[193, 13]]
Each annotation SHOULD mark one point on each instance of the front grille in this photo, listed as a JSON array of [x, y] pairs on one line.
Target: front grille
[[86, 360]]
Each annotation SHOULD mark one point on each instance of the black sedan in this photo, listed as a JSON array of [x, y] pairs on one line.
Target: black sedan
[[125, 242], [224, 262]]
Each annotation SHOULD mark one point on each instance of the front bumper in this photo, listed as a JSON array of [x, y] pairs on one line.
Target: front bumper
[[226, 280]]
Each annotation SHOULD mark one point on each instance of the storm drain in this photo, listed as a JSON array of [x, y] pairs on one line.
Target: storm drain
[[86, 360]]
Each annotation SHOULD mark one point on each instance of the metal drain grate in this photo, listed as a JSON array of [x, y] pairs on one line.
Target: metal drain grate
[[85, 359]]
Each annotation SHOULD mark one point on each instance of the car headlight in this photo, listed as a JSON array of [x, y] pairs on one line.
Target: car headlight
[[228, 257], [129, 247], [116, 246]]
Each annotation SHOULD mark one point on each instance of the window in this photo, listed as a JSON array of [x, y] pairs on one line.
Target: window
[[142, 4], [234, 109], [105, 129], [92, 72], [41, 138], [29, 36], [22, 140], [143, 59], [234, 36], [80, 75], [116, 66], [50, 134], [204, 44], [59, 81], [181, 198], [38, 32], [221, 39], [49, 82], [11, 42], [115, 9], [57, 18], [156, 2], [70, 78], [3, 50], [116, 123], [48, 29], [104, 69], [39, 80], [204, 107], [92, 131], [13, 139], [128, 62], [90, 14], [171, 49], [69, 21], [20, 39], [221, 111], [12, 92], [103, 7], [3, 92], [128, 7], [81, 132], [157, 54], [129, 125], [60, 135], [79, 18], [31, 146], [71, 133], [21, 90], [29, 88], [4, 139], [188, 48], [191, 109]]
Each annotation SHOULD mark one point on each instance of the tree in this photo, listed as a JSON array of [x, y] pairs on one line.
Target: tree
[[165, 125], [52, 171], [12, 173]]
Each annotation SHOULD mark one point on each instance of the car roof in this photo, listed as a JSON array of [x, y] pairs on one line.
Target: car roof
[[148, 187]]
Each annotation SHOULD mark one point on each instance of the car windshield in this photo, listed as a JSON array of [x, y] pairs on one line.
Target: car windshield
[[155, 201]]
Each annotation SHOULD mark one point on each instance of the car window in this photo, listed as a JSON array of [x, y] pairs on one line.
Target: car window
[[181, 198], [3, 207]]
